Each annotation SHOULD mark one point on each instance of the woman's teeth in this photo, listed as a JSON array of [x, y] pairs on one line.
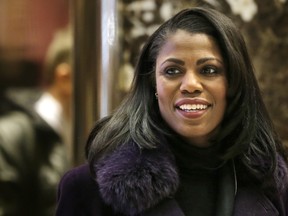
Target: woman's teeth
[[193, 107]]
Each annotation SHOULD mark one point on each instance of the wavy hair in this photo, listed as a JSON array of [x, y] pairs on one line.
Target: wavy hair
[[247, 131]]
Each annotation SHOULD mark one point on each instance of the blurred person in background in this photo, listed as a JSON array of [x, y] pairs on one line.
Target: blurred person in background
[[35, 136]]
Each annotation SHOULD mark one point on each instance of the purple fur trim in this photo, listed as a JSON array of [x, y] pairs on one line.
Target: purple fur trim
[[132, 180]]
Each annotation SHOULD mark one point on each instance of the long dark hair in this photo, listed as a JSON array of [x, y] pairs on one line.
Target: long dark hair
[[247, 132]]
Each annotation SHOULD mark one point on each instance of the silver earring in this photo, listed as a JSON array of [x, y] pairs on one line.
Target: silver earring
[[156, 95]]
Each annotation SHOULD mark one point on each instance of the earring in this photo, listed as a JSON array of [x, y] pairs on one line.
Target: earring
[[156, 95]]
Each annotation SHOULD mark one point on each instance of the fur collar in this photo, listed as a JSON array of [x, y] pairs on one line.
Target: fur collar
[[132, 180]]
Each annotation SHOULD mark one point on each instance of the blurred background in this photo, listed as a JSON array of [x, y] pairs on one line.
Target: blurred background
[[107, 37]]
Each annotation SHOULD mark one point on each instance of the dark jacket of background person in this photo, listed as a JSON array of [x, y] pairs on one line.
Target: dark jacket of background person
[[32, 160], [140, 163]]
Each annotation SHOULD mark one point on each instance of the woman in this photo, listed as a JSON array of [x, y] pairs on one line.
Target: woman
[[193, 137]]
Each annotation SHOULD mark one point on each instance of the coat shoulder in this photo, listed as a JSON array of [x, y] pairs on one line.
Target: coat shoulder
[[78, 194], [76, 176]]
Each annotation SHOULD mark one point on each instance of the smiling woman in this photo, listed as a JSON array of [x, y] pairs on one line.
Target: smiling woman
[[204, 146]]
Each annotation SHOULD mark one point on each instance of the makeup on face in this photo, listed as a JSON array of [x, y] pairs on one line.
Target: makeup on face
[[191, 85]]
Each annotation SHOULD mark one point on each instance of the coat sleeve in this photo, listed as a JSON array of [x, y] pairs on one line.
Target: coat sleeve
[[17, 144], [17, 163]]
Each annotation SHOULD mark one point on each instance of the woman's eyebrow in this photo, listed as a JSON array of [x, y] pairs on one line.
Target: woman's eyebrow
[[174, 60], [199, 62], [203, 60]]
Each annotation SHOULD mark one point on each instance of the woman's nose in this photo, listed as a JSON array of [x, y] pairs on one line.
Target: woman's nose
[[191, 83]]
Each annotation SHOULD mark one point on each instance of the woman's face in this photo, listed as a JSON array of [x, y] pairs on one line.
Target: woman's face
[[191, 85]]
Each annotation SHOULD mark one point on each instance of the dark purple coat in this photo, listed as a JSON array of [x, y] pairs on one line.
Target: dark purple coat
[[132, 181]]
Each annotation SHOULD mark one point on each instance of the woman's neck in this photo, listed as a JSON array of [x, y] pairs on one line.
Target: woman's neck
[[192, 157]]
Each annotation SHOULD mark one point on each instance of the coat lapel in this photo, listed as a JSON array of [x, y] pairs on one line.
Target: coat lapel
[[227, 187], [249, 202]]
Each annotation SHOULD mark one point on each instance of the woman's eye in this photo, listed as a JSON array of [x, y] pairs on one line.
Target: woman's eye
[[209, 71], [172, 71]]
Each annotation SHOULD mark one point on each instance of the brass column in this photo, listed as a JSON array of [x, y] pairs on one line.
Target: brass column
[[95, 27]]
